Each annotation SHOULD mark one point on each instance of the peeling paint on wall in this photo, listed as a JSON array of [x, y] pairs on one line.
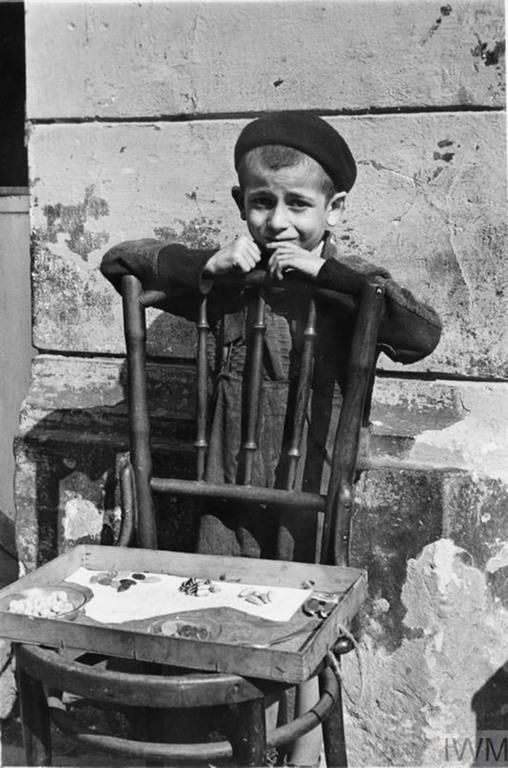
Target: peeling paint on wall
[[200, 232], [81, 519], [498, 561], [451, 619], [71, 219], [491, 53], [477, 442]]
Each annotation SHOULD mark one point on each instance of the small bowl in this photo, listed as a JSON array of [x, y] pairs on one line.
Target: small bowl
[[189, 629], [76, 598]]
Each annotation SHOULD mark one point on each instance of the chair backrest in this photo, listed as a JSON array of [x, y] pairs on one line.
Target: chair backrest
[[357, 382]]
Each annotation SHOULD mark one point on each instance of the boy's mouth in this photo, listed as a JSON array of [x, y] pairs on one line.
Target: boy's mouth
[[274, 243]]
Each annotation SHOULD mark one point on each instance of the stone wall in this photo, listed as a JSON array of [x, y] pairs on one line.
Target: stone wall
[[133, 110]]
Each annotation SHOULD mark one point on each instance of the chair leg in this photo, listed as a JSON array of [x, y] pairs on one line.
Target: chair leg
[[334, 736], [35, 720], [249, 745]]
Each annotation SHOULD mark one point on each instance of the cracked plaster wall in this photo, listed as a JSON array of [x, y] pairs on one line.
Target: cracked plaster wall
[[135, 140], [426, 691]]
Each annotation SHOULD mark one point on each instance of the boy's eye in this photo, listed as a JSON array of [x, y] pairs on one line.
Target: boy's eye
[[261, 202], [298, 203]]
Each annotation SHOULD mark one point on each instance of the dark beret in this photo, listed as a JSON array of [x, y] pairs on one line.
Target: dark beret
[[308, 133]]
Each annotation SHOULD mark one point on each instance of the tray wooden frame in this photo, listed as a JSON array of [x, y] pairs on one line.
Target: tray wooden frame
[[291, 662]]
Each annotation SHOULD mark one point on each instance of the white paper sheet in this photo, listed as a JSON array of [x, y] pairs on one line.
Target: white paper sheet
[[161, 597]]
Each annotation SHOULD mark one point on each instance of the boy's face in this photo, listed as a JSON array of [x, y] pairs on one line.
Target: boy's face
[[286, 204]]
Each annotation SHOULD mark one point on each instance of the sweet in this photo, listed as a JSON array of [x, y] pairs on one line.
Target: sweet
[[46, 605]]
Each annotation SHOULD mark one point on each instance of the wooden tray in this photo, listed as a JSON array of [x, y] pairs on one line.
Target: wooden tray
[[235, 648]]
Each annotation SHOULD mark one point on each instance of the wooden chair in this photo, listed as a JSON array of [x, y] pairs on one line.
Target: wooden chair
[[40, 670]]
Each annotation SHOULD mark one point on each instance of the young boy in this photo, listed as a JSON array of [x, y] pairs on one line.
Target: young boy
[[294, 172]]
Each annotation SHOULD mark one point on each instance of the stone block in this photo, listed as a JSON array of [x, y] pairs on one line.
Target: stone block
[[170, 58], [444, 424]]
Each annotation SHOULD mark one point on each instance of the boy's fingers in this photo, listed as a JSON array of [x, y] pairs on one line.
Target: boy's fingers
[[247, 251], [275, 267], [284, 247], [244, 264], [252, 255]]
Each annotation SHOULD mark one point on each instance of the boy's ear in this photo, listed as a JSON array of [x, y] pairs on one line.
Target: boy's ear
[[237, 194], [335, 208]]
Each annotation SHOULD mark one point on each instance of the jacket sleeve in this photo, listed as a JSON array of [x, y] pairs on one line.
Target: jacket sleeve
[[169, 267], [409, 329]]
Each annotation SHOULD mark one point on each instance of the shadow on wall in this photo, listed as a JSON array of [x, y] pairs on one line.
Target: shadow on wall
[[67, 466], [490, 705]]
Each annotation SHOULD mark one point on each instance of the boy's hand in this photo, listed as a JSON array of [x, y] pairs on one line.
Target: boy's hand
[[288, 256], [240, 256]]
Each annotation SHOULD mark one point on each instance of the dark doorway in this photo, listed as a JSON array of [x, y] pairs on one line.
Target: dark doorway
[[13, 160]]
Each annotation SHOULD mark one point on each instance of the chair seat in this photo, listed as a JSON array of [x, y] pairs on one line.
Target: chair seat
[[183, 690]]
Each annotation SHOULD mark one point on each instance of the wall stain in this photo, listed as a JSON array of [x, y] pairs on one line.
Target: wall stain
[[464, 96], [489, 55], [63, 298], [445, 10], [71, 220], [446, 156], [277, 82], [197, 233]]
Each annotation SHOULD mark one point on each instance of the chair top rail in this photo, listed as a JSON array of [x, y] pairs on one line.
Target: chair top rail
[[260, 278]]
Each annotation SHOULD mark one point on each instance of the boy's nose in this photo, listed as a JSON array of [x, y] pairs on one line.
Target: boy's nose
[[278, 218]]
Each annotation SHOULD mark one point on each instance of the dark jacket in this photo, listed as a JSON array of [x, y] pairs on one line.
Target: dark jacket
[[409, 331]]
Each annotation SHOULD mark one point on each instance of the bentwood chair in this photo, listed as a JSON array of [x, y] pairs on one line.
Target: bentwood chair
[[42, 670]]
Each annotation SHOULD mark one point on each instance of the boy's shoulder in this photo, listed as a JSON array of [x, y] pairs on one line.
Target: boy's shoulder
[[358, 264]]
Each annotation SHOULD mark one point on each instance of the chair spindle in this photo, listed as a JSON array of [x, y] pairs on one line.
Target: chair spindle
[[302, 395], [201, 443], [139, 424], [254, 387]]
